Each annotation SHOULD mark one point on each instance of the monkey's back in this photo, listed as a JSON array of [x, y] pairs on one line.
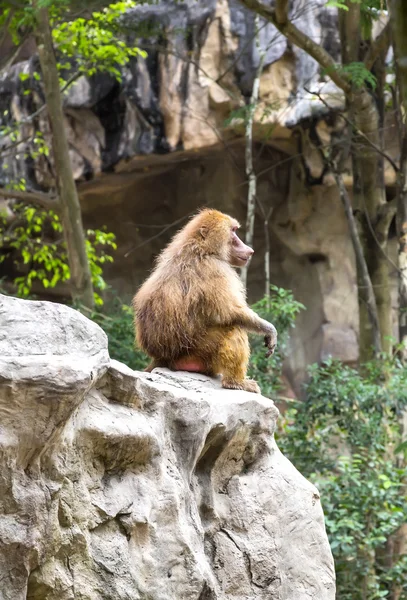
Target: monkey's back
[[181, 301], [169, 313]]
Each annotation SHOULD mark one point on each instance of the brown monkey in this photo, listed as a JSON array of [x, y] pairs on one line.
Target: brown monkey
[[191, 313]]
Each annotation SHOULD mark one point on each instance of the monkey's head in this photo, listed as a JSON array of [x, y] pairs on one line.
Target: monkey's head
[[215, 234]]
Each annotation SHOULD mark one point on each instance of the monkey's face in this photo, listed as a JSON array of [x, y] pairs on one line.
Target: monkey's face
[[240, 254]]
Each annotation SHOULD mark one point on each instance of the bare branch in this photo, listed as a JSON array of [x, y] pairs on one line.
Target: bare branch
[[240, 54], [6, 150], [251, 176], [282, 11], [70, 81], [157, 235], [379, 45], [6, 63], [349, 31], [38, 198], [297, 37], [357, 131]]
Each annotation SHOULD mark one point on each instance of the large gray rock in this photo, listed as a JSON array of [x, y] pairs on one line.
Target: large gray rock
[[122, 485]]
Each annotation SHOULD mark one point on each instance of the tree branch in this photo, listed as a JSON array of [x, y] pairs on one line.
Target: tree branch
[[6, 62], [386, 214], [279, 18], [349, 31], [68, 83], [282, 11], [38, 198], [361, 264], [357, 131], [379, 45], [71, 218], [250, 173]]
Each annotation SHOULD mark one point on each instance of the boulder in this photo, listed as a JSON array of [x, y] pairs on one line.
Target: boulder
[[121, 485]]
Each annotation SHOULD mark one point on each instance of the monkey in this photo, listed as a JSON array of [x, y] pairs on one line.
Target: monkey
[[191, 313]]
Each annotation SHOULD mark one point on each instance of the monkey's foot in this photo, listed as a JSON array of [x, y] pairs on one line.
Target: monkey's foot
[[248, 385]]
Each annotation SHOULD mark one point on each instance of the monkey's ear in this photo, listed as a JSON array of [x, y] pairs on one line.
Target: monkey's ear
[[204, 231]]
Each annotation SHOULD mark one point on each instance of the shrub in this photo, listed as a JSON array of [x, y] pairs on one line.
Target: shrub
[[117, 322], [346, 438], [280, 309]]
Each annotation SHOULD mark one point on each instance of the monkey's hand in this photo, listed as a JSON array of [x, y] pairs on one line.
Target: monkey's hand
[[270, 340]]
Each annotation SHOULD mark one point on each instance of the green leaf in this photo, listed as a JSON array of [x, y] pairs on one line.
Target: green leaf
[[337, 4], [401, 447]]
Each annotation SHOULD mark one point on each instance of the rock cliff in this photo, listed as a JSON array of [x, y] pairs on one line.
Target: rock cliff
[[120, 485]]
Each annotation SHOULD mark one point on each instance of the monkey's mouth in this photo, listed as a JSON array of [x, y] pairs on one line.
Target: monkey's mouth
[[244, 259], [240, 261]]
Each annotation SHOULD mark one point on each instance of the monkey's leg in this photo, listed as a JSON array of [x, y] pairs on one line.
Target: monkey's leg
[[231, 359]]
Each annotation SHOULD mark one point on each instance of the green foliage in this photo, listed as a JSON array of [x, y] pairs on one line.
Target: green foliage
[[370, 11], [356, 72], [346, 438], [95, 43], [34, 236], [359, 75], [336, 4], [97, 241], [240, 114], [281, 309], [117, 322]]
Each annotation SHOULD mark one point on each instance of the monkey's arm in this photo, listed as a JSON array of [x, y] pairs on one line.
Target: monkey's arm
[[248, 319]]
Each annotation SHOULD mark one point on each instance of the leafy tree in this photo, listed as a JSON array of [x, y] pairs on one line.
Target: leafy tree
[[86, 45], [34, 239]]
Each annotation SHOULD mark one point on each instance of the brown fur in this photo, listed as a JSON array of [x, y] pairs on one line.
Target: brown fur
[[191, 313]]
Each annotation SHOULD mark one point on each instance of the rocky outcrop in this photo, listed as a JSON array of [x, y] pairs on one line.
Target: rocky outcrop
[[202, 59], [117, 484]]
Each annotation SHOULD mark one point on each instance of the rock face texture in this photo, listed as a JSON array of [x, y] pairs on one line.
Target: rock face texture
[[202, 60], [118, 485]]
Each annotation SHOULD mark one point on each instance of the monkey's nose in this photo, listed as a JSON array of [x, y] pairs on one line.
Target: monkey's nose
[[251, 251]]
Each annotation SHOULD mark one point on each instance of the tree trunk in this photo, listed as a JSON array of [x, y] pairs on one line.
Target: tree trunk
[[368, 193], [399, 28], [366, 291], [81, 281], [398, 15], [368, 199], [250, 174]]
